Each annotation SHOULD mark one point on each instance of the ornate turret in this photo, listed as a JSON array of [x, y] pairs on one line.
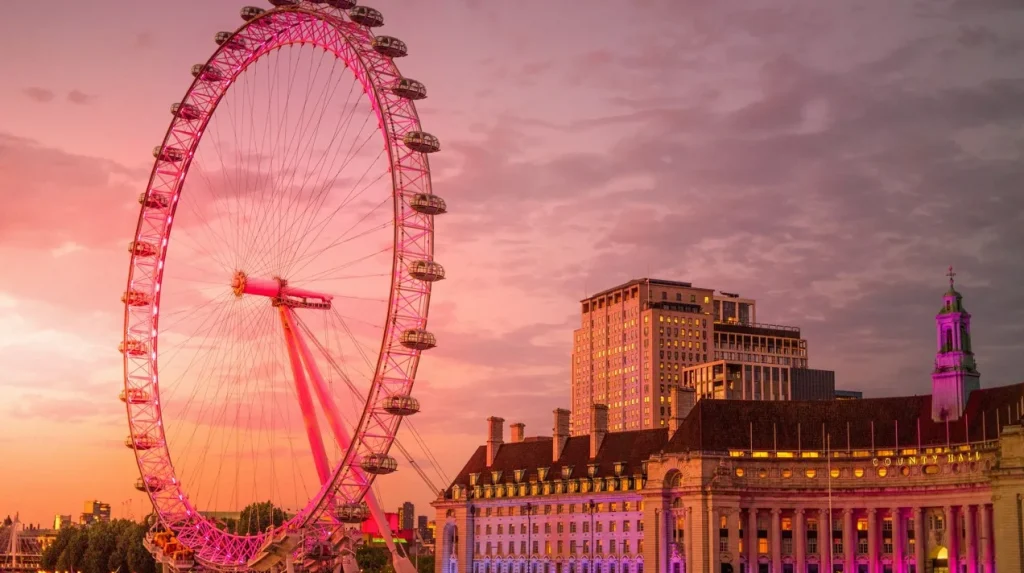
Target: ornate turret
[[956, 374]]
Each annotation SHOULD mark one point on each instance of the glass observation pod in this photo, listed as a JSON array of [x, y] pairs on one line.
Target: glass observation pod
[[133, 347], [142, 249], [421, 141], [136, 298], [418, 339], [426, 271], [186, 111], [401, 405], [340, 4], [134, 396], [207, 73], [378, 464], [280, 3], [366, 16], [353, 512], [410, 89], [229, 41], [155, 200], [250, 12], [142, 442], [150, 484], [428, 204], [390, 47], [170, 154]]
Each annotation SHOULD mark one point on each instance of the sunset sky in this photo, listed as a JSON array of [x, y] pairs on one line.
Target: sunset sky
[[830, 160]]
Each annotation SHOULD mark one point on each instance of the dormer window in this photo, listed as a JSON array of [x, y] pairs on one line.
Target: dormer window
[[592, 470], [519, 475], [496, 476], [542, 473], [566, 472], [619, 467], [474, 479]]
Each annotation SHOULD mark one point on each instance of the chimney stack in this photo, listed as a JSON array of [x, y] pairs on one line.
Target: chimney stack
[[599, 427], [683, 400], [560, 433], [518, 433], [495, 431]]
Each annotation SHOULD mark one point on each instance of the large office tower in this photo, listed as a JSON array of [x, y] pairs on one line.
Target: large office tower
[[633, 343], [407, 516]]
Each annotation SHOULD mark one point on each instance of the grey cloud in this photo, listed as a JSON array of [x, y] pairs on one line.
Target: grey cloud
[[40, 95]]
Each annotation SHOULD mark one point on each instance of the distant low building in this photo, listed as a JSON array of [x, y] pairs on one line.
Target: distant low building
[[813, 384], [61, 521], [849, 395], [95, 511]]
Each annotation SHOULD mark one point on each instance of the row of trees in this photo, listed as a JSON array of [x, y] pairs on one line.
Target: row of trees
[[100, 548], [104, 547]]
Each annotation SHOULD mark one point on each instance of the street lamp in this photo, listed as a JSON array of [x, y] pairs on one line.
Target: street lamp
[[528, 508]]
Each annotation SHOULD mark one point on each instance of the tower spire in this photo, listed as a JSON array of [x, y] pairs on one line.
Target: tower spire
[[955, 375]]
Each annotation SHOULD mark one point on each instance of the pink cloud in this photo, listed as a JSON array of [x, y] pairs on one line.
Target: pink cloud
[[39, 95]]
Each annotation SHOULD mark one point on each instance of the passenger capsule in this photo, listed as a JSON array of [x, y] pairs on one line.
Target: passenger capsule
[[154, 200], [366, 16], [280, 3], [421, 141], [426, 271], [409, 89], [142, 249], [171, 154], [390, 47], [401, 405], [417, 339], [378, 464], [229, 41], [133, 347], [341, 4], [207, 73], [134, 396], [185, 111], [136, 298], [251, 12], [151, 483], [353, 512], [428, 204], [142, 442]]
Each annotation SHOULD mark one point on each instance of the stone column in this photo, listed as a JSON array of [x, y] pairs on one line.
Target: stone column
[[824, 540], [972, 552], [691, 531], [897, 540], [849, 540], [750, 539], [919, 541], [775, 535], [734, 537], [872, 515], [714, 556], [985, 517], [799, 542], [953, 537]]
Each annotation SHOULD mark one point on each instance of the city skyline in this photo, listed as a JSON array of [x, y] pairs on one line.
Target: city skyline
[[776, 155]]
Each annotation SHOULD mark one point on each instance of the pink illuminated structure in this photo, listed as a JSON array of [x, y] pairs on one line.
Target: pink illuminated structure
[[267, 238]]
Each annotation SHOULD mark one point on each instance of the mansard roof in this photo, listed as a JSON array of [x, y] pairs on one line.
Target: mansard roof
[[631, 448], [718, 426], [869, 424]]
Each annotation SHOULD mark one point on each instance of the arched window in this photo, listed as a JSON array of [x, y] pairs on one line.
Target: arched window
[[949, 340]]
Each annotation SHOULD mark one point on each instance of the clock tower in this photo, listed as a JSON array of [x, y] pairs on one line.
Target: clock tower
[[956, 374]]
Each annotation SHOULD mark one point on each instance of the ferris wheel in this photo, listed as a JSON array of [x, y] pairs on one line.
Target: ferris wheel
[[295, 292]]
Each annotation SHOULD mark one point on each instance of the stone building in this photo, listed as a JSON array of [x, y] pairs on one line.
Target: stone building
[[915, 484]]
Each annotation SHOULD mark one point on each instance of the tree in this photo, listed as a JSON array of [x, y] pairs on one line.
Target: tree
[[373, 559], [257, 517], [48, 561], [8, 521], [424, 563]]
